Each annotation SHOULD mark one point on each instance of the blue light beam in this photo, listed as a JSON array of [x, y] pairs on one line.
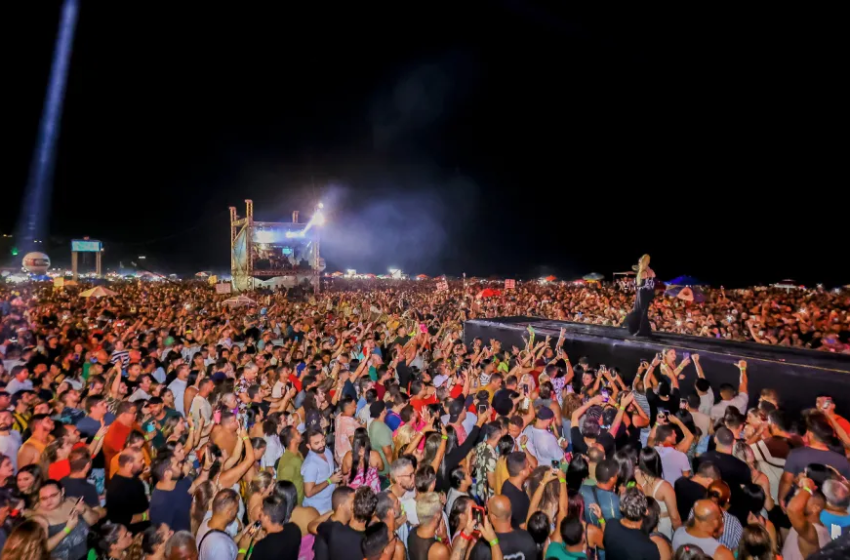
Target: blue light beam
[[36, 207]]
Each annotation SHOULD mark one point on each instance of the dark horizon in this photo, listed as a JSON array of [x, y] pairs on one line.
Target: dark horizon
[[511, 138]]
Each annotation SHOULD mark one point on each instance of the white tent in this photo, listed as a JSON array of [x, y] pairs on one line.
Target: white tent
[[98, 292], [239, 301]]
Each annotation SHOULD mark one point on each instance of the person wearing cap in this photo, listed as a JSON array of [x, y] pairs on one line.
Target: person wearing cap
[[541, 442]]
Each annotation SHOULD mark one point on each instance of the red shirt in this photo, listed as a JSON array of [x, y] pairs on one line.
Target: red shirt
[[59, 469], [295, 382], [419, 404]]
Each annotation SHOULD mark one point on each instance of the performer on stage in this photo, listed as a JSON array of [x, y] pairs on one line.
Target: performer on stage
[[638, 320]]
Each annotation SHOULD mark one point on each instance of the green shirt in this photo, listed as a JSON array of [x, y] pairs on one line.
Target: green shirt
[[289, 468], [558, 551], [381, 436]]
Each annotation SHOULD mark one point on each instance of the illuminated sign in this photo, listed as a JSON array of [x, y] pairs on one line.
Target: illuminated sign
[[85, 246]]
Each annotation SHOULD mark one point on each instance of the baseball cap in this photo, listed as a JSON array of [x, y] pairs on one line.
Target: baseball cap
[[545, 413]]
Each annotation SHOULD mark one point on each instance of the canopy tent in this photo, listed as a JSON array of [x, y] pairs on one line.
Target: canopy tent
[[787, 284], [422, 277], [98, 292], [239, 301], [593, 277], [686, 281], [337, 274]]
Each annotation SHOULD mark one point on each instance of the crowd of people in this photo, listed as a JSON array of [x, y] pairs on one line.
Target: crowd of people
[[358, 424]]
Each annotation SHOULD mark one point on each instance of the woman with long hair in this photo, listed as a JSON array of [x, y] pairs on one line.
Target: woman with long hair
[[754, 496], [7, 471], [756, 544], [649, 525], [153, 541], [29, 481], [503, 448], [649, 476], [577, 472], [361, 465], [301, 516], [201, 503], [27, 542], [637, 321], [113, 541], [260, 487], [745, 453]]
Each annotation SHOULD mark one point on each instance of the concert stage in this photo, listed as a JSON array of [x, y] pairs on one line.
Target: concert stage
[[799, 375]]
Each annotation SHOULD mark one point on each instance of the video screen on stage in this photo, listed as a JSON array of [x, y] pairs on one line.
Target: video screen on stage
[[282, 249]]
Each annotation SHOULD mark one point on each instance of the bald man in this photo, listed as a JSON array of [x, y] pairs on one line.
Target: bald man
[[703, 531], [513, 542]]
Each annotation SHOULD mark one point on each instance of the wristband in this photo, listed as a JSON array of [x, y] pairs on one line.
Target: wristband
[[494, 542], [97, 438], [445, 437], [562, 480], [329, 482], [243, 551], [465, 537], [145, 516], [246, 438], [602, 522], [809, 490], [67, 531], [622, 408], [522, 447]]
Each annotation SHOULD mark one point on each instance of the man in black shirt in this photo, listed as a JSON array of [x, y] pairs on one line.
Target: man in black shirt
[[76, 485], [624, 537], [691, 490], [518, 472], [515, 543], [282, 540], [342, 502], [345, 540], [126, 501], [733, 471]]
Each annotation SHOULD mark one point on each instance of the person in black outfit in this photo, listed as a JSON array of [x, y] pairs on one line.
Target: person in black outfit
[[624, 537], [126, 500], [733, 471], [345, 540], [456, 453], [512, 489], [638, 320], [514, 543], [376, 542], [342, 502], [283, 539], [690, 490]]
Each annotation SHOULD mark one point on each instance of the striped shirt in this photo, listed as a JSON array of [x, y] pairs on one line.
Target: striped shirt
[[732, 530]]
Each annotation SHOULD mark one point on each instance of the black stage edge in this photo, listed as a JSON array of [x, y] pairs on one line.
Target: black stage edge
[[799, 375]]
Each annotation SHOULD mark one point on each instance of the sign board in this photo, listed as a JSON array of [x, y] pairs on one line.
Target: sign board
[[59, 282], [223, 288], [86, 246], [510, 284]]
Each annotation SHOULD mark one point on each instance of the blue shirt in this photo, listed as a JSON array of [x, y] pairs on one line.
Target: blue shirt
[[172, 507], [316, 470], [608, 502]]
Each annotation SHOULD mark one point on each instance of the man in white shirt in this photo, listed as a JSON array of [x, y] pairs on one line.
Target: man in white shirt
[[674, 463], [10, 440], [701, 421], [703, 387], [542, 443], [142, 391], [728, 396], [20, 380], [201, 409]]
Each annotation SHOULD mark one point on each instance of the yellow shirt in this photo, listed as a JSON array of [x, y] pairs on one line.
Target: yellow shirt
[[501, 473]]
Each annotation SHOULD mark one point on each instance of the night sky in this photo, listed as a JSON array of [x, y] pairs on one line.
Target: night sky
[[497, 137]]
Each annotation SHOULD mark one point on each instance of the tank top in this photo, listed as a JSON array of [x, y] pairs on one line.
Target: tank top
[[75, 544], [417, 547], [791, 548], [37, 444]]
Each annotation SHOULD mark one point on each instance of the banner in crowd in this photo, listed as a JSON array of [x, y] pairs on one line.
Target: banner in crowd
[[223, 288], [510, 284]]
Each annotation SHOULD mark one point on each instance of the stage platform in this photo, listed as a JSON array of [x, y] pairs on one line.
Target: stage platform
[[799, 375]]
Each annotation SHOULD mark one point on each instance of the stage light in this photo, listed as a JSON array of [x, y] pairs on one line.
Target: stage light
[[263, 236], [321, 206], [318, 218]]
